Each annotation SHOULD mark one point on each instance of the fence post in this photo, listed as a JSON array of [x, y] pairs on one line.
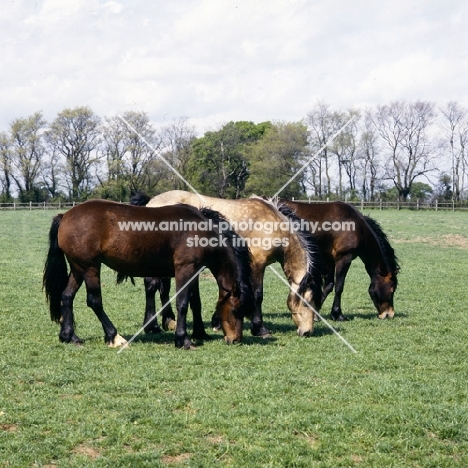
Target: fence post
[[44, 204], [30, 206], [417, 204], [437, 205], [59, 204], [380, 204], [14, 206]]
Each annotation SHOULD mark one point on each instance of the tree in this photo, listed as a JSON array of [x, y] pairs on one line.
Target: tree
[[276, 158], [75, 134], [368, 157], [218, 165], [344, 147], [27, 153], [404, 128], [5, 166], [420, 191], [456, 131], [130, 148], [322, 124], [177, 139], [444, 190]]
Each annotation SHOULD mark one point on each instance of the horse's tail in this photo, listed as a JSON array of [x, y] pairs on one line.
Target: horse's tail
[[139, 199], [55, 276]]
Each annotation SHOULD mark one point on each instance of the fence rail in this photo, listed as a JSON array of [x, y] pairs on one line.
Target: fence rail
[[36, 206], [413, 205], [363, 205]]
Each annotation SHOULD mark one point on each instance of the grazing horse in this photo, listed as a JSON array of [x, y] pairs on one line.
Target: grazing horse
[[267, 230], [127, 239], [342, 234]]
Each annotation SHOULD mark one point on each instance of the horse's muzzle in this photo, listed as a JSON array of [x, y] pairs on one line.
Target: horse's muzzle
[[387, 313]]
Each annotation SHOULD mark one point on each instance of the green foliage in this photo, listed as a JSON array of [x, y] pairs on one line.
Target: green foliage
[[276, 158], [219, 164], [420, 191], [281, 402]]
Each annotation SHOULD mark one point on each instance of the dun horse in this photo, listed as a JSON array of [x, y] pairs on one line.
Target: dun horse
[[268, 233], [99, 232], [358, 236]]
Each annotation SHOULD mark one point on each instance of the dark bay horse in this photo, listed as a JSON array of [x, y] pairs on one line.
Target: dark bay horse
[[342, 234], [127, 239], [269, 234]]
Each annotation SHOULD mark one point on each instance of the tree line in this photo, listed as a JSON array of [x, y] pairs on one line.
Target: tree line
[[402, 150]]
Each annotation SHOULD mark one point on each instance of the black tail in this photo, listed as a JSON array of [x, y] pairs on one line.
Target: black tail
[[139, 199], [55, 277]]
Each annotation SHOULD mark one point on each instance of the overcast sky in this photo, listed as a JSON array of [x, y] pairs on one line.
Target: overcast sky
[[219, 60]]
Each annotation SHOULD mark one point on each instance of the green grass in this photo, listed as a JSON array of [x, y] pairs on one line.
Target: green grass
[[284, 402]]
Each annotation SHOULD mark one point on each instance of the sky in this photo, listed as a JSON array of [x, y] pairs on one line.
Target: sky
[[215, 61]]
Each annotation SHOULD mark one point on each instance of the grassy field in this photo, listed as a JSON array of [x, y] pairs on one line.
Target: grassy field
[[401, 401]]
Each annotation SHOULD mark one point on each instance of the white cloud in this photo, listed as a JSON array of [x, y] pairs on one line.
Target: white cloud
[[219, 60]]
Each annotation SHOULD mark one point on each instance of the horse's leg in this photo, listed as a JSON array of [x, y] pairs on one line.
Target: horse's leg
[[150, 321], [167, 315], [182, 302], [257, 327], [195, 304], [329, 283], [67, 325], [341, 270], [94, 301]]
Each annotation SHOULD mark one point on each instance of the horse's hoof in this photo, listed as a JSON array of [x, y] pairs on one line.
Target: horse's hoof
[[117, 342], [153, 330], [260, 331], [73, 340], [169, 324], [217, 328], [340, 318], [201, 336]]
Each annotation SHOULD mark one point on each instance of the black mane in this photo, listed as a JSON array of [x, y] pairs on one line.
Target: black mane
[[139, 199], [388, 253], [313, 277]]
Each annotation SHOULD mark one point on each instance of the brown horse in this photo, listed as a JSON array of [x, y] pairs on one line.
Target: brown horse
[[127, 239], [342, 234], [267, 231]]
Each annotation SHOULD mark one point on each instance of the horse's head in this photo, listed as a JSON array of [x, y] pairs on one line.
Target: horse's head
[[381, 291], [229, 313]]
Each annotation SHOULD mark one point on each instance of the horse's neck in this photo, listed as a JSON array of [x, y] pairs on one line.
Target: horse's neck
[[371, 254], [295, 258]]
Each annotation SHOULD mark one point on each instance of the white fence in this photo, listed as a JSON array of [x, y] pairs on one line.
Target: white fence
[[363, 205]]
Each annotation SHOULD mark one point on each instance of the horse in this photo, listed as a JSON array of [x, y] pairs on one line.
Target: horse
[[127, 239], [266, 228], [355, 235]]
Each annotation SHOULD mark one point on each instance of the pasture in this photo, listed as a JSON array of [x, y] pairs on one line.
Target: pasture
[[401, 401]]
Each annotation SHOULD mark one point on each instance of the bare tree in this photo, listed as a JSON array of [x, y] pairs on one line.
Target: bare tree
[[75, 133], [27, 154], [344, 147], [368, 158], [322, 124], [404, 128], [130, 152], [5, 165], [456, 131]]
